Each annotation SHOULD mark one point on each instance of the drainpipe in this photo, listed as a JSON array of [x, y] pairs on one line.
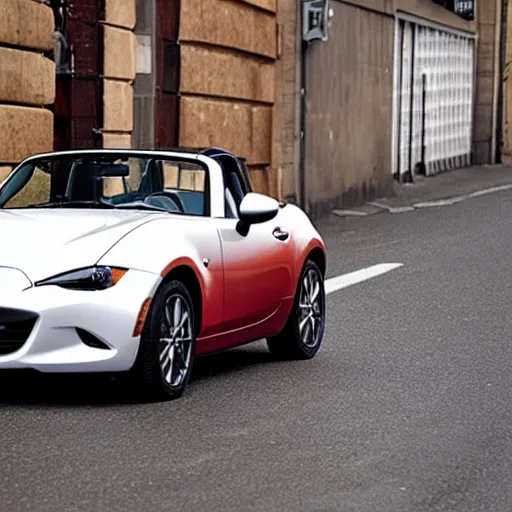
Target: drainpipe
[[400, 98], [423, 165], [303, 106], [409, 176]]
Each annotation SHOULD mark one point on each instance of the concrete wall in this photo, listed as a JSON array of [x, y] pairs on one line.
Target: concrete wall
[[425, 9], [119, 72], [27, 81], [228, 53], [487, 82], [349, 110], [349, 98]]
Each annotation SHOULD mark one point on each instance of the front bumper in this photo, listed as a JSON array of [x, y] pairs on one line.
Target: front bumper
[[54, 344]]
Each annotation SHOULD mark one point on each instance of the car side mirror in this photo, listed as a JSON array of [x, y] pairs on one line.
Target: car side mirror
[[255, 209]]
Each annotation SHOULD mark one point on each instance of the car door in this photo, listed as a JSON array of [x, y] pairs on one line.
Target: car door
[[258, 271]]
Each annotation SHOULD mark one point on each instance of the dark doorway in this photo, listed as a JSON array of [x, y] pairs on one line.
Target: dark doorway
[[79, 86], [168, 73]]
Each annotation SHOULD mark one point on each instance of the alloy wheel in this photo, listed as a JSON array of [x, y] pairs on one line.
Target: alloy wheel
[[176, 341], [311, 315]]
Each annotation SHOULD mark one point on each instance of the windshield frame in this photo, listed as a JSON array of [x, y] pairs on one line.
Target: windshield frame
[[213, 178]]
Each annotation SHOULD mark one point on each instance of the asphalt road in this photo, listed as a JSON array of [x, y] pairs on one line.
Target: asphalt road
[[406, 408]]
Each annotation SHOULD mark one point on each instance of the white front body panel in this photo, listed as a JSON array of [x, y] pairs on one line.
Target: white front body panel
[[43, 243], [51, 242], [110, 315], [13, 281]]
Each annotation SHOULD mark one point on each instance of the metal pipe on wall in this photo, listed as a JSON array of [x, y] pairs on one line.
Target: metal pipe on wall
[[409, 175], [423, 165], [400, 94], [303, 106]]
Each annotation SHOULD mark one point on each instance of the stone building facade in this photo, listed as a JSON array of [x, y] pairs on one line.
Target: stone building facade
[[119, 67], [326, 124]]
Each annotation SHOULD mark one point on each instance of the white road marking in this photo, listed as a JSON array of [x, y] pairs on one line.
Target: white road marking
[[490, 190], [347, 213], [344, 281], [441, 202]]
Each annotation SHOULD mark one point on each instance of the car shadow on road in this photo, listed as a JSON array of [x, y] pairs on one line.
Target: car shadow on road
[[230, 361], [27, 388]]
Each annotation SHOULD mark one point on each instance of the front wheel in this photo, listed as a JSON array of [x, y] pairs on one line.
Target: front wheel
[[303, 333], [167, 348]]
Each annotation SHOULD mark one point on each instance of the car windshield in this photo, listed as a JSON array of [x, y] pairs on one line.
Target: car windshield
[[108, 181]]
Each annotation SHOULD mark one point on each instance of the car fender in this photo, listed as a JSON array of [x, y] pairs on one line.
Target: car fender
[[165, 244], [306, 237]]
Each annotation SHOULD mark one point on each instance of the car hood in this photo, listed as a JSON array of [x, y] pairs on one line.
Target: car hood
[[43, 243]]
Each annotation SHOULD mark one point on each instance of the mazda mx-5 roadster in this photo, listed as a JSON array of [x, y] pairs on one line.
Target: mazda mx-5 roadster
[[137, 262]]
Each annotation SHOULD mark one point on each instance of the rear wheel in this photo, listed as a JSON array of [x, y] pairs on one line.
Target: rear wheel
[[303, 333], [167, 350]]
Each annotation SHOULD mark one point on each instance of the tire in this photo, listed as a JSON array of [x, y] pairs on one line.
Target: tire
[[163, 372], [292, 342]]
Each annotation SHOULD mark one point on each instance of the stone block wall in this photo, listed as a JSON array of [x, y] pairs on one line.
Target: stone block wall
[[119, 72], [227, 80], [27, 81]]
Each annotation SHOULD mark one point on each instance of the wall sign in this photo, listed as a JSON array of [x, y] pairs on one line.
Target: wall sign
[[315, 14], [465, 8], [144, 55]]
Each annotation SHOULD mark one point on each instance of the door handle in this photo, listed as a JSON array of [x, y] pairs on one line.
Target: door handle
[[281, 234]]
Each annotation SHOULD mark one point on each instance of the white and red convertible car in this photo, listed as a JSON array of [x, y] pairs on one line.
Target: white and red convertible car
[[139, 261]]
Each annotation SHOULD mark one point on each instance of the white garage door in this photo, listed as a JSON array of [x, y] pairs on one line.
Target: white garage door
[[433, 99]]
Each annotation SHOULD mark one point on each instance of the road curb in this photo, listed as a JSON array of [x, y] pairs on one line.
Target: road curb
[[376, 207]]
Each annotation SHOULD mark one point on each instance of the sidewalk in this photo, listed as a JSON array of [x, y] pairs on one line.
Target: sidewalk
[[440, 190]]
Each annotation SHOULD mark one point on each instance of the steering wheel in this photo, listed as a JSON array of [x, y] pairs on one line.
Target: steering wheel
[[174, 198]]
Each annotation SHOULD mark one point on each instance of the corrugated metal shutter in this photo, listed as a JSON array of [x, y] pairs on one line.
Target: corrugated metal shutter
[[433, 113]]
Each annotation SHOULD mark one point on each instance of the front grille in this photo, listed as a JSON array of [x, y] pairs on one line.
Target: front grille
[[15, 328]]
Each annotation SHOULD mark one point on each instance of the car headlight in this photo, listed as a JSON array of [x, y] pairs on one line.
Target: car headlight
[[87, 279]]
